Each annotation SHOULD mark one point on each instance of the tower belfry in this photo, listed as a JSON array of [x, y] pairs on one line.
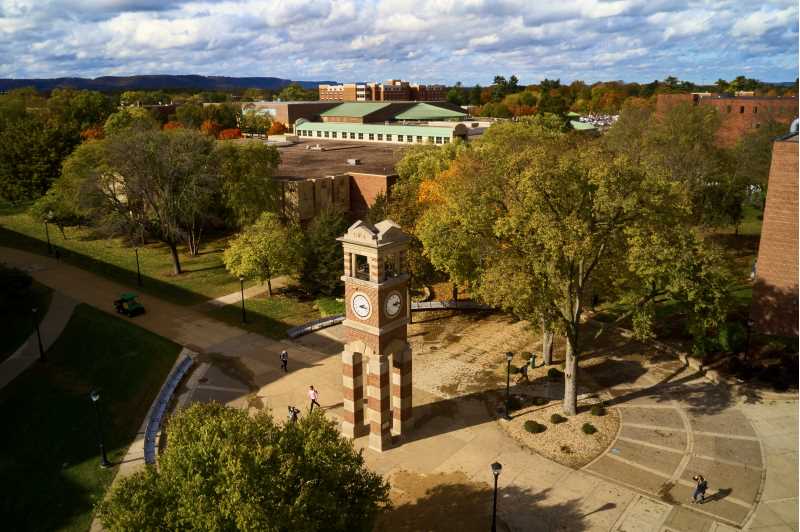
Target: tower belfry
[[376, 317]]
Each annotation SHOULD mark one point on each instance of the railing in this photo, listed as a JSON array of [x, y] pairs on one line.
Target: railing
[[157, 415]]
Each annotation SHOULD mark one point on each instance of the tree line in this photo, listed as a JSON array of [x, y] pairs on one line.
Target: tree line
[[507, 98]]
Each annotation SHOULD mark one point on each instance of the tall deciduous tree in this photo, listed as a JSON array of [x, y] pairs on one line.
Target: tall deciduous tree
[[225, 470], [248, 187], [264, 250], [537, 221]]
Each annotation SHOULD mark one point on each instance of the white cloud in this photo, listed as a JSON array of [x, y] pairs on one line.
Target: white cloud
[[434, 41]]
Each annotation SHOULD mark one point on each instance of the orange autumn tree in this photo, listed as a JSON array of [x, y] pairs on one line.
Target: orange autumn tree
[[169, 126], [231, 133], [277, 128], [211, 128], [93, 133]]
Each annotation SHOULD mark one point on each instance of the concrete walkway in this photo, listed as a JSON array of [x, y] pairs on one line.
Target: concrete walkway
[[51, 327]]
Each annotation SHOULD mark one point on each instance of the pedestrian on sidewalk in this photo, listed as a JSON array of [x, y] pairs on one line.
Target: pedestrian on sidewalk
[[700, 489], [285, 361], [523, 373], [293, 413], [313, 395]]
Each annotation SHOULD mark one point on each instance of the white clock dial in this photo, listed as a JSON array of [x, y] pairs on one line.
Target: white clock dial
[[393, 304], [360, 305]]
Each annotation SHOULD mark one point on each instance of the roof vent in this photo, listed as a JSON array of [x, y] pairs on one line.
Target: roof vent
[[353, 162]]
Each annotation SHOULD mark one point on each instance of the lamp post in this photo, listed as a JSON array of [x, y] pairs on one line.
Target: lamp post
[[95, 397], [750, 324], [496, 468], [138, 271], [47, 233], [509, 357], [34, 310], [241, 284]]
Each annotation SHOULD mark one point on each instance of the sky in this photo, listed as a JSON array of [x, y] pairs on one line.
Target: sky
[[427, 41]]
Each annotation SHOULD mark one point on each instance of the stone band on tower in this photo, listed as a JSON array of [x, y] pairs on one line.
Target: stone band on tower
[[376, 318]]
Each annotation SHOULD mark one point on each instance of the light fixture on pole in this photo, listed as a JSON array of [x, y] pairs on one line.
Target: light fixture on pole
[[95, 397], [496, 468], [241, 284], [509, 357]]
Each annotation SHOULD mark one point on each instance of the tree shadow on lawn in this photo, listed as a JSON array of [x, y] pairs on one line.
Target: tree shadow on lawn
[[467, 507]]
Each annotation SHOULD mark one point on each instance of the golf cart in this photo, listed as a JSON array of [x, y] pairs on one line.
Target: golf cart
[[127, 304]]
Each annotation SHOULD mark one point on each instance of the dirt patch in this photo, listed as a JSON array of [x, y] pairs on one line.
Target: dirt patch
[[565, 442], [442, 502]]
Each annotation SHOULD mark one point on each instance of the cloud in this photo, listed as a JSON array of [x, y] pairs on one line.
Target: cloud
[[433, 41]]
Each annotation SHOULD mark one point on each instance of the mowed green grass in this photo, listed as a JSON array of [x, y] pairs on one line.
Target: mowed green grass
[[49, 458], [18, 319], [204, 276], [270, 316]]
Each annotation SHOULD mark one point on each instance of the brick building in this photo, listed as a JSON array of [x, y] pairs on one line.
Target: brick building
[[395, 90], [775, 306], [288, 113], [739, 114]]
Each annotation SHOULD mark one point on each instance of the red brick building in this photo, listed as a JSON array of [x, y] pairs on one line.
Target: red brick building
[[739, 114], [393, 90], [775, 306]]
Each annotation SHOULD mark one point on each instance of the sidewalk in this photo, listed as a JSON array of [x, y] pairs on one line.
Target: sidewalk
[[51, 327]]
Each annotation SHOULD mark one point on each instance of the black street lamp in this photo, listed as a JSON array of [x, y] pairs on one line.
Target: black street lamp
[[34, 310], [750, 324], [496, 468], [509, 357], [95, 397], [138, 271], [241, 284], [47, 233]]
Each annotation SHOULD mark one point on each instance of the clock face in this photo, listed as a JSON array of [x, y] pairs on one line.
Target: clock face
[[393, 304], [360, 305]]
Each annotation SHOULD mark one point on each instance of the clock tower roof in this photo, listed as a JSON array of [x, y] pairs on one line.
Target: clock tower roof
[[378, 235]]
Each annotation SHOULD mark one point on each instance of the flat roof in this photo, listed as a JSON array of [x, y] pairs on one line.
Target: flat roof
[[426, 111], [298, 163], [399, 129], [355, 109], [577, 125]]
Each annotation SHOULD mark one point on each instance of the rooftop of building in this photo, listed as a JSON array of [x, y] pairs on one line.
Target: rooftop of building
[[426, 111], [392, 128], [355, 109], [300, 162]]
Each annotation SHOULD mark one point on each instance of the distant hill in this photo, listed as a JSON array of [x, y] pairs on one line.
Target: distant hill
[[156, 82]]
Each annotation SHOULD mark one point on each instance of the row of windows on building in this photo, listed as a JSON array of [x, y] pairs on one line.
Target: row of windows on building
[[380, 137], [729, 108]]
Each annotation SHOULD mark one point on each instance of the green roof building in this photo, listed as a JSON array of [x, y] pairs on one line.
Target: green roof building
[[426, 111], [391, 133]]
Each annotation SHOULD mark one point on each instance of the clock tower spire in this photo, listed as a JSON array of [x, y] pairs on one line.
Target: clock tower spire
[[376, 318]]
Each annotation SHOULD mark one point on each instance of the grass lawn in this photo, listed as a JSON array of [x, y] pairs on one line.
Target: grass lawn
[[204, 276], [18, 320], [270, 316], [49, 459], [329, 306]]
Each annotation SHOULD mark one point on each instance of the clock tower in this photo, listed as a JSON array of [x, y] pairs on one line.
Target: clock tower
[[376, 318]]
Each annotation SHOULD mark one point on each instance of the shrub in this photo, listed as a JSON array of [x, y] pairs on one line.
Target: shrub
[[534, 427], [732, 337], [277, 128], [588, 428], [598, 410], [554, 373], [231, 133], [539, 400], [514, 403], [555, 419]]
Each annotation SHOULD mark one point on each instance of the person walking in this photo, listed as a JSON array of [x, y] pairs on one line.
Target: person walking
[[293, 413], [523, 373], [285, 361], [313, 395], [699, 489]]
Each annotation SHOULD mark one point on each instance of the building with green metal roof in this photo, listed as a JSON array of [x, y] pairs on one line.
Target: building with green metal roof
[[391, 133], [577, 125], [426, 111]]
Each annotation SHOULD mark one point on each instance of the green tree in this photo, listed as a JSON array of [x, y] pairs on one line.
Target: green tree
[[266, 249], [536, 221], [248, 187], [226, 470], [129, 118], [296, 93], [254, 123], [322, 254], [79, 109], [190, 115], [475, 95]]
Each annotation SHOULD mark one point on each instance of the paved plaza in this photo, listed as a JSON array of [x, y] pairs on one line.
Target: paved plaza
[[673, 424]]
